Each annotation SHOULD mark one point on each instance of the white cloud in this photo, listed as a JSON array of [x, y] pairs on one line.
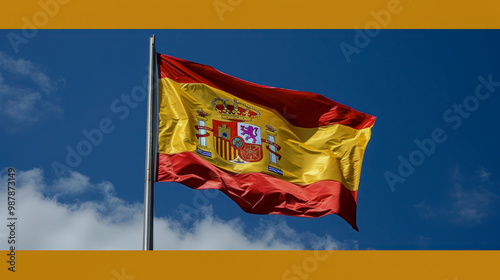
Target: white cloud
[[28, 69], [26, 103], [484, 175], [73, 184], [471, 206], [46, 223], [471, 200]]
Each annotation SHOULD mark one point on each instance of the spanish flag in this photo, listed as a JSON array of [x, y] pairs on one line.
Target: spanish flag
[[271, 150]]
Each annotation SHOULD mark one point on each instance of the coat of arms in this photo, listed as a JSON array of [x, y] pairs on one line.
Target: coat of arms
[[236, 140]]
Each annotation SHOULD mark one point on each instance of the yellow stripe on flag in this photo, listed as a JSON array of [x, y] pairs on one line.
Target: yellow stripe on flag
[[309, 155]]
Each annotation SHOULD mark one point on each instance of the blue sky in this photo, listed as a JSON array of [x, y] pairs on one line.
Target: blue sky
[[437, 87]]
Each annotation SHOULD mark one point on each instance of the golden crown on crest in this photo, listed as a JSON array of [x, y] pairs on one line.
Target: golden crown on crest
[[234, 110]]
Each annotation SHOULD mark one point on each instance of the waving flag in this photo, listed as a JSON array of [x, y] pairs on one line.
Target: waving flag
[[271, 150]]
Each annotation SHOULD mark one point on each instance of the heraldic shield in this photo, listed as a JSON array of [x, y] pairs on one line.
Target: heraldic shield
[[237, 142]]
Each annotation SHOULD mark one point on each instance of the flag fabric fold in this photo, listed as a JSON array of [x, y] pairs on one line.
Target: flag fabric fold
[[271, 150]]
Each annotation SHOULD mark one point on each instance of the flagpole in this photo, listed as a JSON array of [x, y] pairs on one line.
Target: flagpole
[[150, 149]]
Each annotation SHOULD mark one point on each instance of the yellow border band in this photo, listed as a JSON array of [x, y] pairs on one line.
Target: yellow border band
[[251, 265], [245, 14]]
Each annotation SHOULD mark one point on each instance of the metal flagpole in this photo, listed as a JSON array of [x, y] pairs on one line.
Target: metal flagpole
[[150, 150]]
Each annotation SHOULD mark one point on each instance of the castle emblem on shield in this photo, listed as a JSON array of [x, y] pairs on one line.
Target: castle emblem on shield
[[235, 139]]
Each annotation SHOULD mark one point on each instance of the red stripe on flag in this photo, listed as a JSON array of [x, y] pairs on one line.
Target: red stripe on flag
[[259, 193], [303, 109]]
